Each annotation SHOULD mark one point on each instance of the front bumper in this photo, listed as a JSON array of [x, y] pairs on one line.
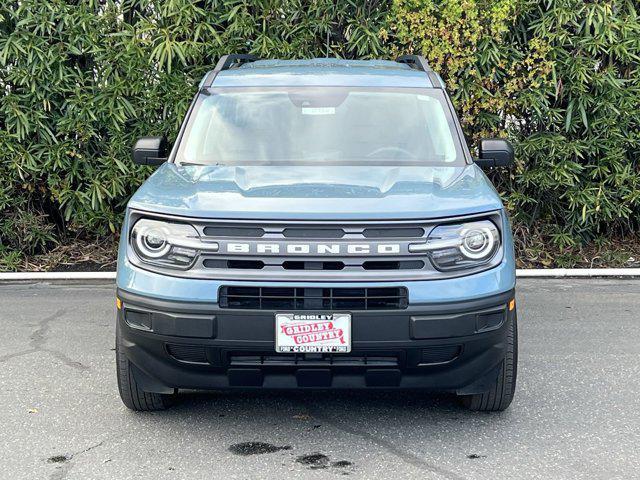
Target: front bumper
[[452, 346]]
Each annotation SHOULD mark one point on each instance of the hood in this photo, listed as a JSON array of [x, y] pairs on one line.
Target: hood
[[316, 192]]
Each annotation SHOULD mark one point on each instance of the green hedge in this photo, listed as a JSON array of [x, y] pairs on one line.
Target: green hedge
[[81, 80]]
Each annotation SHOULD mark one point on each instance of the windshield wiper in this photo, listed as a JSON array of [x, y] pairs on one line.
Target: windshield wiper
[[196, 164]]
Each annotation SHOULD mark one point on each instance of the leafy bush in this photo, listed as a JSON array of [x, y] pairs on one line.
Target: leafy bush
[[562, 79], [81, 80]]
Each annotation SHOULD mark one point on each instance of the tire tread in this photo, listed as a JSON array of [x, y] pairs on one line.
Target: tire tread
[[131, 394], [500, 395]]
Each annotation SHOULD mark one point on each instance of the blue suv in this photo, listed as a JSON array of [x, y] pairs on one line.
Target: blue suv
[[317, 224]]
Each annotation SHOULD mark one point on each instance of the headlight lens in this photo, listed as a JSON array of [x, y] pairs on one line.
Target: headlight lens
[[478, 242], [151, 240], [457, 247], [167, 244]]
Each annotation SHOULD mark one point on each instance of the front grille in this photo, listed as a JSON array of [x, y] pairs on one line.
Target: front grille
[[306, 298], [315, 251]]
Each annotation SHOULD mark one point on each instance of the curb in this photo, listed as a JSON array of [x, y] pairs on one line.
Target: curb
[[577, 272], [520, 273], [23, 276]]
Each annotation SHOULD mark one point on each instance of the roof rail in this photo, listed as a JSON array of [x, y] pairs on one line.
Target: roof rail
[[225, 63], [418, 62]]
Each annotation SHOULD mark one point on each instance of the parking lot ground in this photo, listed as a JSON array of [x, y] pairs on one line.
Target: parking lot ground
[[575, 415]]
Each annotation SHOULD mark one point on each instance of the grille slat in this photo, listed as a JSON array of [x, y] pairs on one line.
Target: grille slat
[[299, 298], [315, 264], [230, 231], [296, 360], [397, 232], [315, 233], [393, 265]]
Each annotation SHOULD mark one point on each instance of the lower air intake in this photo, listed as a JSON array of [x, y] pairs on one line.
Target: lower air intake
[[302, 298], [188, 353], [440, 354]]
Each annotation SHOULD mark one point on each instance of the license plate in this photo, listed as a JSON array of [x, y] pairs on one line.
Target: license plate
[[313, 333]]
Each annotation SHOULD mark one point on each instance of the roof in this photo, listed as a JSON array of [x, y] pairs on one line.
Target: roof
[[323, 72]]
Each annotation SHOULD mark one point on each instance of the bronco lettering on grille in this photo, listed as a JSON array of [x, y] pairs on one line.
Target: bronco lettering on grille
[[314, 248]]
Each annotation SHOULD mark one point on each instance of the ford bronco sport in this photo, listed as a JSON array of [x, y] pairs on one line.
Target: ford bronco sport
[[317, 224]]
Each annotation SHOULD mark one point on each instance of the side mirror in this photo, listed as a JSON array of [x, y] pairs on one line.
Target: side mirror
[[495, 152], [150, 151]]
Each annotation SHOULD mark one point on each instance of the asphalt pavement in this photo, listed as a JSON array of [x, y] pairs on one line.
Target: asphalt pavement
[[576, 413]]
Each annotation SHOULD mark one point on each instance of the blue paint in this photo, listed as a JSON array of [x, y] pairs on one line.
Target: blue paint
[[323, 72], [317, 193]]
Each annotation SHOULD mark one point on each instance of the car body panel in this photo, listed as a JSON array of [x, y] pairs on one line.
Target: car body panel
[[317, 193], [323, 72]]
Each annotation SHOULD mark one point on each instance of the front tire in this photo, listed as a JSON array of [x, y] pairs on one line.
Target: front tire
[[500, 395], [131, 394]]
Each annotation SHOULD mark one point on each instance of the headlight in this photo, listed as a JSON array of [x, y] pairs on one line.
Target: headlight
[[167, 244], [456, 247]]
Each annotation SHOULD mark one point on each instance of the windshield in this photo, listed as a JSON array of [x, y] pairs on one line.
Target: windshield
[[320, 126]]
